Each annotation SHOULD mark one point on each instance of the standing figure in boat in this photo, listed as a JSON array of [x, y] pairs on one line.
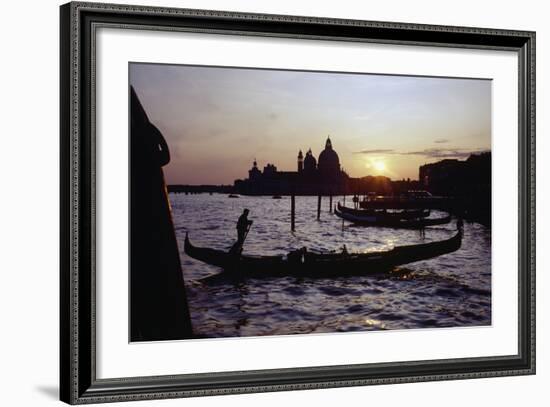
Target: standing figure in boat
[[243, 225]]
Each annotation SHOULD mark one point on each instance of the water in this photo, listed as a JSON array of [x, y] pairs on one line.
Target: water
[[448, 291]]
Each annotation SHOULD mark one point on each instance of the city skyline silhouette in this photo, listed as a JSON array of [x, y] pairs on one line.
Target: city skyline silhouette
[[217, 120]]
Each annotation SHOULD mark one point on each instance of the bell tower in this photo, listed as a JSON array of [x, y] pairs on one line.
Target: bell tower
[[300, 161]]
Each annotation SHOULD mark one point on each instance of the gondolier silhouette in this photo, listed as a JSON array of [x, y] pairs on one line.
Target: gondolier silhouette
[[243, 226]]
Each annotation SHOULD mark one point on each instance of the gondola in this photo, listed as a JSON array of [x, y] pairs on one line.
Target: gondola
[[383, 214], [301, 263], [392, 223]]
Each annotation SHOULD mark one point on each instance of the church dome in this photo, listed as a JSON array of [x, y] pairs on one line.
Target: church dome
[[329, 162], [310, 163]]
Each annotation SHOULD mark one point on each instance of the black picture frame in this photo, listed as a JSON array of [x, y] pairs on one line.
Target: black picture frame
[[78, 382]]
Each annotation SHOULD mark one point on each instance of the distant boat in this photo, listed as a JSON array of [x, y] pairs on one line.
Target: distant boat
[[233, 196], [380, 214], [303, 263], [409, 200], [277, 196], [373, 220]]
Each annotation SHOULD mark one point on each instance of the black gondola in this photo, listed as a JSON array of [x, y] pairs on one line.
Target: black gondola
[[381, 214], [392, 223], [303, 263]]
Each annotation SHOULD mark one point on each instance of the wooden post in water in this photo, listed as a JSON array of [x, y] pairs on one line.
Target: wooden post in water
[[319, 207], [343, 218], [330, 203], [292, 212]]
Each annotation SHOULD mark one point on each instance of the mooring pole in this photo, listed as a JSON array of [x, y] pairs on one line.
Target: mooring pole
[[292, 212], [319, 207], [344, 204], [330, 203]]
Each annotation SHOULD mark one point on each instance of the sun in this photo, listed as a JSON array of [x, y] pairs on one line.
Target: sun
[[379, 166]]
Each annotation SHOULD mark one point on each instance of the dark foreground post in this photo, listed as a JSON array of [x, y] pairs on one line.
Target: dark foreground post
[[330, 203], [158, 302], [319, 207], [292, 212]]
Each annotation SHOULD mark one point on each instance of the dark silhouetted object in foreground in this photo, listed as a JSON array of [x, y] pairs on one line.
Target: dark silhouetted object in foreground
[[158, 303]]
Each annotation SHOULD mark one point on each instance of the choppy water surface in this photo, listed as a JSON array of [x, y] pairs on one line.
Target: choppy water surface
[[448, 291]]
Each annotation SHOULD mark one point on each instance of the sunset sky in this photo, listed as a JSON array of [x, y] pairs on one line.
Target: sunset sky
[[218, 120]]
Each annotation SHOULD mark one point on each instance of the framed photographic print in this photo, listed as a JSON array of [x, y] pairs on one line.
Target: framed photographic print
[[258, 203]]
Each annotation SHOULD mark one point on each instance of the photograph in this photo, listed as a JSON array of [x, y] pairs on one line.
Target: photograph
[[273, 200], [306, 202]]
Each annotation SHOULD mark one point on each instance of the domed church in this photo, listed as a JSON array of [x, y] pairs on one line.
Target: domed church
[[313, 177], [329, 162], [328, 167], [310, 163]]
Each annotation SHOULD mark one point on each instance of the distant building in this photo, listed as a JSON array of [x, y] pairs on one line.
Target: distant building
[[301, 161], [254, 173], [455, 178], [469, 182], [325, 177], [310, 163], [329, 164], [441, 177]]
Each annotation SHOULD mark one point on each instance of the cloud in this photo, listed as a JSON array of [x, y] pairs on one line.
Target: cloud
[[441, 153], [441, 141], [458, 153], [380, 151]]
